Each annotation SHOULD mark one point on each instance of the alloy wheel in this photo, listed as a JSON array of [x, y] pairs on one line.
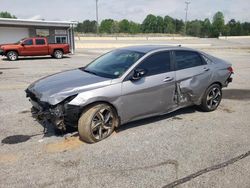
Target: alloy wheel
[[102, 123], [12, 56], [58, 54], [213, 98]]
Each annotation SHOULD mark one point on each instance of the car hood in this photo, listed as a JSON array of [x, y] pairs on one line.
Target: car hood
[[55, 88], [9, 45]]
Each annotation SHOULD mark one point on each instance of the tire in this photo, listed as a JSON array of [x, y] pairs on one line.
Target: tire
[[212, 98], [58, 54], [97, 123], [12, 55]]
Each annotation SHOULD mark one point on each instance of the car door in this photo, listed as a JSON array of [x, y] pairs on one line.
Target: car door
[[27, 48], [154, 92], [40, 47], [193, 75]]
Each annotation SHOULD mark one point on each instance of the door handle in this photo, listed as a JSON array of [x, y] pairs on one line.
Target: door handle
[[206, 69], [168, 79]]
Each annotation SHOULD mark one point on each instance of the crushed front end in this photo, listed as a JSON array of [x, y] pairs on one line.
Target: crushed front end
[[61, 115]]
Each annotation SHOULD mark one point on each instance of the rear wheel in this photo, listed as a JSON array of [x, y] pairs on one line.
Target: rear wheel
[[97, 123], [58, 54], [211, 98], [12, 55]]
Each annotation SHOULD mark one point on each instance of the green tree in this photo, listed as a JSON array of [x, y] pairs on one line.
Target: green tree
[[245, 28], [179, 26], [206, 28], [106, 26], [124, 26], [160, 24], [194, 28], [115, 27], [7, 15], [235, 28], [169, 24], [86, 26], [226, 30], [149, 25], [134, 28], [218, 24]]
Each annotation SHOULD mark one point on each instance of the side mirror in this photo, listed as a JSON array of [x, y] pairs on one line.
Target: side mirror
[[22, 44], [138, 74]]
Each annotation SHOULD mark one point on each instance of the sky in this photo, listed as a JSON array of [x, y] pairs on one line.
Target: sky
[[135, 10]]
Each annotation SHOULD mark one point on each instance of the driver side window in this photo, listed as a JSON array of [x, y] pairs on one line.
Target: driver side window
[[28, 42], [156, 64]]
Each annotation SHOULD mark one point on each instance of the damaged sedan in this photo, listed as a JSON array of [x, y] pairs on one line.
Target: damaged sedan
[[128, 84]]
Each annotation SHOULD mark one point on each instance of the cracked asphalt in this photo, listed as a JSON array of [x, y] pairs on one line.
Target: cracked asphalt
[[187, 148]]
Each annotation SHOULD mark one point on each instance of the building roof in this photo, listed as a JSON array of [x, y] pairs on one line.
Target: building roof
[[28, 22]]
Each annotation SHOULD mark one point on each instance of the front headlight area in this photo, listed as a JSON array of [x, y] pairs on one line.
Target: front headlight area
[[64, 114], [1, 51], [60, 115]]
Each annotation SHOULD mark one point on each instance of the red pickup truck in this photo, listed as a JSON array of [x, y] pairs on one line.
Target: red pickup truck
[[36, 46]]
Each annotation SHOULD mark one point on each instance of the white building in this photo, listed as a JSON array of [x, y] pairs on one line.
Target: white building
[[12, 30]]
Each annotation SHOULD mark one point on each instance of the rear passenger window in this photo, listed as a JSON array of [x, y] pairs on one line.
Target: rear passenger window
[[40, 42], [156, 64], [207, 59], [187, 59]]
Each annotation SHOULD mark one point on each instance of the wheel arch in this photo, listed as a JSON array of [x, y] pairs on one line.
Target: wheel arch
[[100, 102], [217, 82], [7, 51], [58, 49]]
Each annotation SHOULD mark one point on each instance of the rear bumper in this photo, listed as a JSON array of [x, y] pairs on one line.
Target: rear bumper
[[229, 80]]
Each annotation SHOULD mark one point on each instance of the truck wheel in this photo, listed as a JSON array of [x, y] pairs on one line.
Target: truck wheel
[[97, 123], [12, 55], [212, 98], [58, 54]]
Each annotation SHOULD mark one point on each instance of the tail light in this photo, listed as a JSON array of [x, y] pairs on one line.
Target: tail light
[[230, 69]]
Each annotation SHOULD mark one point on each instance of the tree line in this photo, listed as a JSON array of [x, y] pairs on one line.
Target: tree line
[[169, 25]]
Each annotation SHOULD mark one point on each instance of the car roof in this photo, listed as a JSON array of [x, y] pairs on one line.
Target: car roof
[[149, 48]]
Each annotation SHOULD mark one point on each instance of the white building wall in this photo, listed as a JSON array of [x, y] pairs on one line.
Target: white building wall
[[12, 34]]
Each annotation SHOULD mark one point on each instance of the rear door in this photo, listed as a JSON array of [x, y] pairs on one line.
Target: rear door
[[193, 75], [41, 48], [152, 94]]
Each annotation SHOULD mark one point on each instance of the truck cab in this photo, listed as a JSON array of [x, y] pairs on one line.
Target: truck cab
[[36, 46]]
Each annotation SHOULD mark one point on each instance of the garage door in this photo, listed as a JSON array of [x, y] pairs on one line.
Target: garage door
[[12, 34]]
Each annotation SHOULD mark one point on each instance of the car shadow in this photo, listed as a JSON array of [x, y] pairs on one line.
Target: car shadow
[[173, 115], [236, 94], [50, 130], [35, 58], [232, 94]]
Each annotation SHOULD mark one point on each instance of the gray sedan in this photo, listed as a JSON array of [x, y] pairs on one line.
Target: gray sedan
[[128, 84]]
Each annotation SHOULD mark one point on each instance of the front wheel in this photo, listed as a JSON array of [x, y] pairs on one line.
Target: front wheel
[[58, 54], [12, 55], [211, 98], [97, 123]]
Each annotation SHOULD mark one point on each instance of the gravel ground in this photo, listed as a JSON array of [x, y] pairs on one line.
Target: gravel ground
[[206, 149]]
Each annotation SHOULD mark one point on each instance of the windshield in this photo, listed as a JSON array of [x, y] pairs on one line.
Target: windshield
[[113, 64], [20, 41]]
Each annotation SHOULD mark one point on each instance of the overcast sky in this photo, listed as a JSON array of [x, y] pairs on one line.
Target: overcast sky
[[136, 10]]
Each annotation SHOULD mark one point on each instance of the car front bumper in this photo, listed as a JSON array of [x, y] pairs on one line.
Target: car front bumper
[[61, 115], [1, 52]]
